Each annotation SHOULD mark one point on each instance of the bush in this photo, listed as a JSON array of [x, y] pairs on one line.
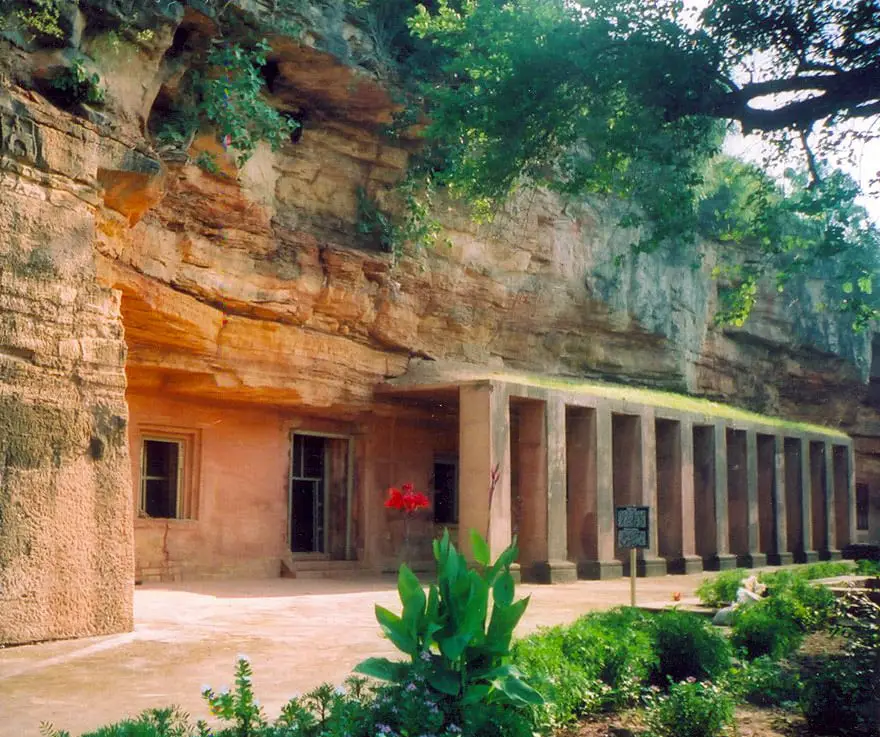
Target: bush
[[687, 646], [759, 631], [867, 567], [829, 702], [567, 685], [720, 590], [764, 682], [691, 709], [617, 648]]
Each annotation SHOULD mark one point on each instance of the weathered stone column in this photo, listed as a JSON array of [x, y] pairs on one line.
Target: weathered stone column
[[484, 465], [721, 559], [680, 444], [753, 557], [831, 551], [649, 562], [590, 493], [781, 555], [807, 554], [844, 508]]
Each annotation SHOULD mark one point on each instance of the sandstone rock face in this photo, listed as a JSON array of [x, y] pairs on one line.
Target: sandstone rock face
[[254, 287], [65, 515]]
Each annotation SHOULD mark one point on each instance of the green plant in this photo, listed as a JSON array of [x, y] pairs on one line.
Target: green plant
[[764, 682], [617, 648], [567, 685], [687, 646], [231, 99], [207, 162], [867, 567], [449, 633], [390, 233], [239, 705], [41, 17], [758, 630], [76, 85], [169, 722], [830, 700], [720, 590], [690, 709]]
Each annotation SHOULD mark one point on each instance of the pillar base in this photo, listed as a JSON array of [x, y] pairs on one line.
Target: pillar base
[[719, 562], [599, 570], [551, 571], [751, 560], [806, 556], [830, 555], [647, 567], [686, 564], [516, 573], [780, 559]]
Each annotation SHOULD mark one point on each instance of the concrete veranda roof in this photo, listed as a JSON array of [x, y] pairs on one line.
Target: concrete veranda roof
[[442, 379]]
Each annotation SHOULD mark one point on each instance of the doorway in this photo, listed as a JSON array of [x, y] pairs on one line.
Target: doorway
[[321, 495]]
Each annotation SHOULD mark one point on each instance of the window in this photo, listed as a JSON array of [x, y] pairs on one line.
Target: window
[[863, 503], [162, 478], [445, 492]]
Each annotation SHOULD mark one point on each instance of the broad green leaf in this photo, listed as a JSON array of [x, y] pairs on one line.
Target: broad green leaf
[[517, 690], [396, 631], [480, 548], [502, 591], [383, 669], [445, 681], [453, 647]]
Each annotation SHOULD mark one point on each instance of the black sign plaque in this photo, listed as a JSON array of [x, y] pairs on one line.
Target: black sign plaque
[[632, 526]]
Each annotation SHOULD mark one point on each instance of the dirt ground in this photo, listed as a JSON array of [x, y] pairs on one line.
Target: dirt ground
[[297, 634], [750, 722]]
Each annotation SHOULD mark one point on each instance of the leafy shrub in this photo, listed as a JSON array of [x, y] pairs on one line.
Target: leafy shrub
[[764, 682], [170, 722], [450, 635], [845, 696], [617, 648], [829, 701], [567, 685], [867, 567], [231, 100], [75, 85], [759, 631], [687, 646], [720, 590], [691, 709]]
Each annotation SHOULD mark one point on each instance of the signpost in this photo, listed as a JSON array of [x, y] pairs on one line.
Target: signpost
[[632, 532]]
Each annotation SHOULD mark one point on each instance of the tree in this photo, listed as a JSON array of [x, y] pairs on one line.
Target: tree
[[632, 99]]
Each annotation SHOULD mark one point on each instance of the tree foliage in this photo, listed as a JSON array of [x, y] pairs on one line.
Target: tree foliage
[[631, 100]]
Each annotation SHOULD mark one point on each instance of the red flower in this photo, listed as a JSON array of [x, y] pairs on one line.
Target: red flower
[[395, 499], [406, 499]]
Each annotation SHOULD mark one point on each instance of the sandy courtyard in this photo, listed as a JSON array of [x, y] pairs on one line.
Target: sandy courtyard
[[297, 634]]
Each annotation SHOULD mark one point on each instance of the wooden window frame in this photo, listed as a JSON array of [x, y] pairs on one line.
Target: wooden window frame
[[187, 475]]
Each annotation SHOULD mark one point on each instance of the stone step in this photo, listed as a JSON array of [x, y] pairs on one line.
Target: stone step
[[321, 568]]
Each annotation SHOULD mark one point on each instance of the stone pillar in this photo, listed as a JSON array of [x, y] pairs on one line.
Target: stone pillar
[[676, 485], [781, 555], [543, 526], [807, 554], [843, 497], [649, 562], [484, 466], [831, 552], [590, 493], [721, 559], [753, 557]]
